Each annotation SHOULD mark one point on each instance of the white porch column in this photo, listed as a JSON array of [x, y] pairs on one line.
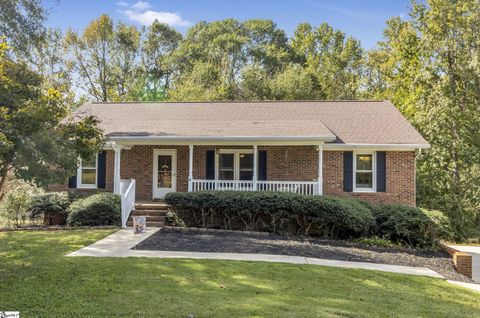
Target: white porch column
[[190, 167], [320, 170], [116, 168], [255, 167]]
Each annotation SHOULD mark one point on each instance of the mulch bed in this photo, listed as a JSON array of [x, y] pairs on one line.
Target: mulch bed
[[172, 239]]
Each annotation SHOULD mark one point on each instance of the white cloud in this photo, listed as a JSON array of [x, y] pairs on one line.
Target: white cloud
[[141, 6], [139, 12]]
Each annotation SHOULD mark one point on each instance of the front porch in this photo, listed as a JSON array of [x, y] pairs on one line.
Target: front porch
[[149, 172], [159, 169]]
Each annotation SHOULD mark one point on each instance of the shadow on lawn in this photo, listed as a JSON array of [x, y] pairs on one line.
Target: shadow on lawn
[[49, 284]]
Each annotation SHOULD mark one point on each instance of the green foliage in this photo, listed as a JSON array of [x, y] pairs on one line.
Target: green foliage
[[273, 211], [53, 206], [33, 143], [410, 225], [429, 68], [98, 209], [17, 202], [375, 241], [21, 21]]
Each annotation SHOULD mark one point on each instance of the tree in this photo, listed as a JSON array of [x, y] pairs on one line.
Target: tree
[[105, 57], [230, 51], [429, 67], [160, 43], [124, 63], [33, 141], [21, 22], [334, 59], [294, 83]]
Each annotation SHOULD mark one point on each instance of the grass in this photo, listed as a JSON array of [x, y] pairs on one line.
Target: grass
[[38, 281]]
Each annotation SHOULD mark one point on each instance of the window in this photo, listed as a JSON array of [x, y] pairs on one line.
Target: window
[[235, 164], [226, 167], [87, 173], [364, 172], [246, 166]]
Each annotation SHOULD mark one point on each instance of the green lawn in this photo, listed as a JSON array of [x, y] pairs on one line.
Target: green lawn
[[39, 281]]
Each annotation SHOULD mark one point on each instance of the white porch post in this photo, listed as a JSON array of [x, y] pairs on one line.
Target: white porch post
[[116, 168], [320, 170], [190, 167], [255, 167]]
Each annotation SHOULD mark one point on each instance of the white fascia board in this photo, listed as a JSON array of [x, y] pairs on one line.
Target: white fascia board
[[391, 147], [222, 140]]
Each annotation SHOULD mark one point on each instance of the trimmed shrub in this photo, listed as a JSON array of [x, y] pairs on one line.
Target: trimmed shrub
[[274, 212], [410, 225], [52, 206], [98, 209]]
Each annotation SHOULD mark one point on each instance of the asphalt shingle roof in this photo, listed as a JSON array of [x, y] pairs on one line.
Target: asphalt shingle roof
[[350, 122]]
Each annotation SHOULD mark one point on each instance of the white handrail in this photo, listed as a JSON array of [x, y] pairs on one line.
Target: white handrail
[[300, 187], [127, 195]]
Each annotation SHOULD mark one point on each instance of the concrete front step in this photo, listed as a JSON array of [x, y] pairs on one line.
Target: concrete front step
[[149, 212], [149, 224], [151, 206]]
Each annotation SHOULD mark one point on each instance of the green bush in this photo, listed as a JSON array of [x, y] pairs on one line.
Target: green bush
[[273, 211], [51, 205], [17, 201], [98, 209], [410, 225]]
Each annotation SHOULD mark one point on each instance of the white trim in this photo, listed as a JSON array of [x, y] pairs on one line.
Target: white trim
[[379, 147], [173, 153], [80, 185], [236, 161], [190, 167], [222, 138], [255, 167], [260, 141], [374, 171], [320, 170]]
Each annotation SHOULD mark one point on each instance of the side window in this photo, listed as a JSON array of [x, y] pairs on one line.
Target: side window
[[364, 173], [87, 173]]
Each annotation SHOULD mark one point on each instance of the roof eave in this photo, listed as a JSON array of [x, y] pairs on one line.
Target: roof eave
[[393, 146]]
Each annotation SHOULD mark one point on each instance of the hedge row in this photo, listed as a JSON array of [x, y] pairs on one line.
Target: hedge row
[[307, 215], [59, 208]]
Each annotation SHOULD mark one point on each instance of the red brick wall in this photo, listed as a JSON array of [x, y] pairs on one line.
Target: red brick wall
[[137, 163], [289, 163], [400, 178]]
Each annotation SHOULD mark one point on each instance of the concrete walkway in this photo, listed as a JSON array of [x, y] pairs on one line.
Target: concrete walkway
[[120, 244], [475, 252]]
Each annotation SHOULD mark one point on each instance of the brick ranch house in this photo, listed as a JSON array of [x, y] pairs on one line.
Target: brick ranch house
[[360, 149]]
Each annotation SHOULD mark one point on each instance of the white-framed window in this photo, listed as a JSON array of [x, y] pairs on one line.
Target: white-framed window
[[87, 173], [364, 174], [234, 164]]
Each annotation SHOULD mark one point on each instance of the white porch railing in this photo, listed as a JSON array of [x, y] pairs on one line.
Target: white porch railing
[[127, 195], [300, 187]]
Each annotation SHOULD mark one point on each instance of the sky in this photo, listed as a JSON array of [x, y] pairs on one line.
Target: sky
[[362, 19]]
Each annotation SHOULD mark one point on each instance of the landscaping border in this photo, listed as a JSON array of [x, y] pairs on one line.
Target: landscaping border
[[461, 260]]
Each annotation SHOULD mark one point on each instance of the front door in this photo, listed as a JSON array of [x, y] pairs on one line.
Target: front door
[[164, 172]]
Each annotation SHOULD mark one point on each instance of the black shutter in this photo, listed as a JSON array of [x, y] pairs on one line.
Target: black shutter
[[348, 171], [101, 169], [210, 165], [262, 165], [72, 181], [381, 172]]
